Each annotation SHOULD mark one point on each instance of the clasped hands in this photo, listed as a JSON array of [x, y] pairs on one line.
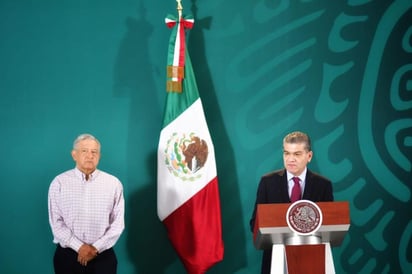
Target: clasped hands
[[86, 254]]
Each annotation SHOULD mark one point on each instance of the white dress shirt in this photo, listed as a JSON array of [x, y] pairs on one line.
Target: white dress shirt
[[302, 178], [86, 212]]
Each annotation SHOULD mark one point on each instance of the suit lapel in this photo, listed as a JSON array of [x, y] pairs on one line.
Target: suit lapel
[[307, 192], [284, 185]]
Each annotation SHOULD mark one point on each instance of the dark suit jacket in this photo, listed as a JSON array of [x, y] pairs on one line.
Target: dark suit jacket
[[273, 188]]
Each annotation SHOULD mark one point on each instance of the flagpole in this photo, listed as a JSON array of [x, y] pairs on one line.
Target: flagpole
[[179, 8]]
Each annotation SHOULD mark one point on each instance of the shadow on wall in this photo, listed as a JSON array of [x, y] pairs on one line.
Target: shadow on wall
[[233, 235], [147, 242], [148, 248]]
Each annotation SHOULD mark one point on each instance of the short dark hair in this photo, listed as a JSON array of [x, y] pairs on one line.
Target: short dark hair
[[298, 137]]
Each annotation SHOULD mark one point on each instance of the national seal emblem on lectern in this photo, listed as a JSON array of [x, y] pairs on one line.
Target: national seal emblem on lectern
[[304, 217]]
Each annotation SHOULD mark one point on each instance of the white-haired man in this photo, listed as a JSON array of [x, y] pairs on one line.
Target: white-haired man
[[86, 213]]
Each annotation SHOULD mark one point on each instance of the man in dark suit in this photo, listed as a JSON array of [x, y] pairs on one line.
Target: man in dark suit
[[277, 186]]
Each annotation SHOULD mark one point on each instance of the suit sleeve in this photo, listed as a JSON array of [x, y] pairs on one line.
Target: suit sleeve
[[260, 198], [328, 196]]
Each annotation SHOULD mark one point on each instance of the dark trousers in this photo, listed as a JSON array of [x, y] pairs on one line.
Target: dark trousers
[[65, 262]]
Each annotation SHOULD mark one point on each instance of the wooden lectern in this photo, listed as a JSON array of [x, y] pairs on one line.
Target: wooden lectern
[[293, 253]]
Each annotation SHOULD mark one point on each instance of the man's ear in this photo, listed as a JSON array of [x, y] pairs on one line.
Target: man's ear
[[311, 156], [73, 153]]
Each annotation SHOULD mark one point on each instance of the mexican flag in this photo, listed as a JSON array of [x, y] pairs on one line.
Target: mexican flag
[[188, 200]]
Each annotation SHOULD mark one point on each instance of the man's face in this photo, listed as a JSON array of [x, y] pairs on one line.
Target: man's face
[[296, 157], [86, 156]]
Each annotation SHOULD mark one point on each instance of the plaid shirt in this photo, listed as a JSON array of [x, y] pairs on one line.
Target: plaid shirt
[[86, 212]]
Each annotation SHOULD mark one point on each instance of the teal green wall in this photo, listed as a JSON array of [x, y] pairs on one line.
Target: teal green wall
[[340, 70]]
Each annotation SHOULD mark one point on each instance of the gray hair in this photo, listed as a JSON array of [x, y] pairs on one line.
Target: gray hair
[[298, 137], [84, 136]]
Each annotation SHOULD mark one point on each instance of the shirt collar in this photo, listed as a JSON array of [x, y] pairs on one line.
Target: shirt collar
[[302, 176], [83, 176]]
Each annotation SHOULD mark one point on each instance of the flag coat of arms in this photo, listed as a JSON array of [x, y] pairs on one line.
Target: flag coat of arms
[[188, 201]]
